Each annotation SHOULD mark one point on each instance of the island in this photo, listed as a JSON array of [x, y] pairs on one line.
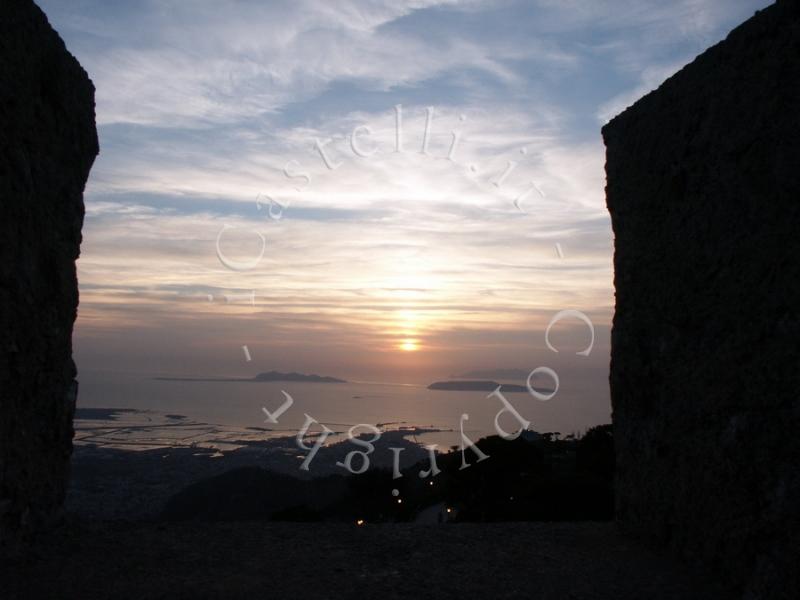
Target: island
[[516, 374], [278, 376], [262, 377], [476, 386]]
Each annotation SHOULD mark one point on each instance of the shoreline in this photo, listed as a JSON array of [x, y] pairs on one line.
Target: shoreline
[[127, 463]]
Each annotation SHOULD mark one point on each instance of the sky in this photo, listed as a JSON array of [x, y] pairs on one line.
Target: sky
[[367, 189]]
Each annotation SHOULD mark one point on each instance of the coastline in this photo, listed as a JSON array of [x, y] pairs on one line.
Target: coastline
[[127, 463]]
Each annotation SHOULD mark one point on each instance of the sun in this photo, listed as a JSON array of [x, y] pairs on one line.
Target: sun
[[409, 346]]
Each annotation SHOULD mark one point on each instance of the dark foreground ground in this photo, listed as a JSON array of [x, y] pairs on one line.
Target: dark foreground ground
[[119, 560]]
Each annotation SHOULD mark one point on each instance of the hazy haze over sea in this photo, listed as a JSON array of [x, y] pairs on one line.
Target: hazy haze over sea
[[235, 404]]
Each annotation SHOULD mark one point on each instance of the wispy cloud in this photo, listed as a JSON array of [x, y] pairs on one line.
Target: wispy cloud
[[203, 106]]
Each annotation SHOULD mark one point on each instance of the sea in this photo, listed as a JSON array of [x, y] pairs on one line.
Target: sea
[[435, 416]]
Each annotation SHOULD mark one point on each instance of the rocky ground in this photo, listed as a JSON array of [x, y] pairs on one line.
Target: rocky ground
[[284, 560]]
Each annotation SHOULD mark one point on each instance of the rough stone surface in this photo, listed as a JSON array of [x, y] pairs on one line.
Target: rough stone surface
[[704, 194], [247, 560], [48, 143]]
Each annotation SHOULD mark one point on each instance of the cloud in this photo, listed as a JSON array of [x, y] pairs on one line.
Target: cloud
[[650, 79], [203, 105], [202, 63]]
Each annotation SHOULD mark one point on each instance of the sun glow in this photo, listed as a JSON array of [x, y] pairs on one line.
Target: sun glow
[[409, 346]]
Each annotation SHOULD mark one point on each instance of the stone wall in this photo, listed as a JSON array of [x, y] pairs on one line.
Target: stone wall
[[703, 187], [48, 143]]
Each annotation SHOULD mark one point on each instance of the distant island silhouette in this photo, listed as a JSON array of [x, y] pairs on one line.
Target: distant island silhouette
[[476, 386], [262, 377], [494, 374]]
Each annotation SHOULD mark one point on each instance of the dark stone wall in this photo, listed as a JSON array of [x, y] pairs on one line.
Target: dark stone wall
[[48, 143], [703, 187]]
